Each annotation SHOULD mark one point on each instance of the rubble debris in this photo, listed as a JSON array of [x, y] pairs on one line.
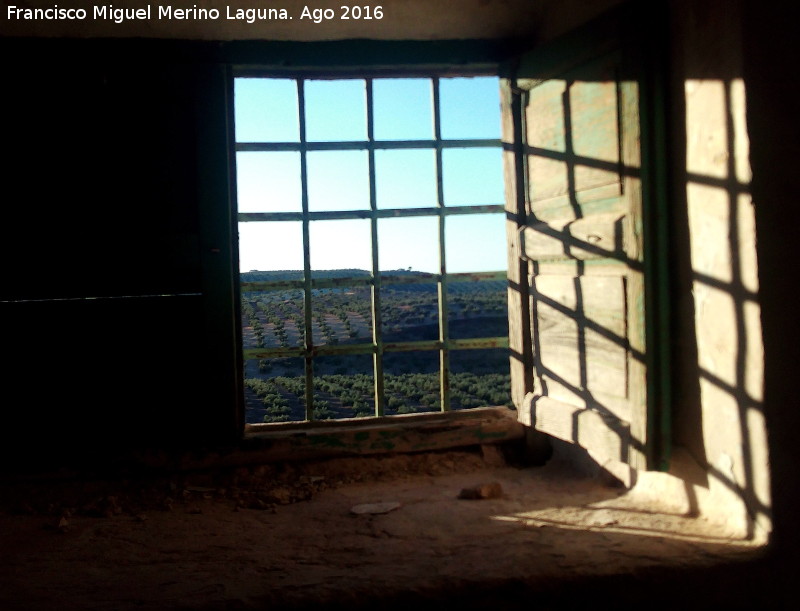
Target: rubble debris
[[491, 490]]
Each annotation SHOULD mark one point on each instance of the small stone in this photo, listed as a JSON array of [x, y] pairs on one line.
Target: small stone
[[262, 505], [491, 490], [281, 495], [374, 508]]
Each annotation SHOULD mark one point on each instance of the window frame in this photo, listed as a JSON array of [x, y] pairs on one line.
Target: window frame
[[377, 347]]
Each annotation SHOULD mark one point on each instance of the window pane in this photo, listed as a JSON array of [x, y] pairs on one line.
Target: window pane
[[410, 312], [470, 107], [414, 361], [411, 382], [475, 243], [341, 315], [268, 182], [283, 316], [335, 110], [340, 245], [405, 178], [344, 387], [479, 378], [338, 180], [271, 246], [409, 244], [274, 390], [477, 309], [253, 335], [265, 110], [403, 109], [270, 318], [473, 177]]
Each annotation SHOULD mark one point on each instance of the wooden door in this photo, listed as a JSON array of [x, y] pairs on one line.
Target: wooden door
[[577, 237]]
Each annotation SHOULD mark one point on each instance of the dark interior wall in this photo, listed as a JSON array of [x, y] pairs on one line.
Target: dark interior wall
[[771, 51], [117, 189], [105, 191], [107, 195]]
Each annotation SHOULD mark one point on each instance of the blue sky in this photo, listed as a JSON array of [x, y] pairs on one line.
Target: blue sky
[[266, 110]]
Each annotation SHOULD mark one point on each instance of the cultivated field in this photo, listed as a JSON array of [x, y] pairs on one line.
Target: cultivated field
[[344, 385]]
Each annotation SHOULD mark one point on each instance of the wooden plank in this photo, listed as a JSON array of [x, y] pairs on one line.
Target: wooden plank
[[607, 438], [519, 330], [595, 128], [366, 436], [632, 158], [545, 118], [597, 236], [581, 267], [563, 206], [574, 136], [583, 356]]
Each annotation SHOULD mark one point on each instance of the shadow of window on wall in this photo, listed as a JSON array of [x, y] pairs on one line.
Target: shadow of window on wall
[[730, 435], [590, 268]]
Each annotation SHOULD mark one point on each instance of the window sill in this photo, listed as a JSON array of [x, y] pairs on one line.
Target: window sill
[[394, 434]]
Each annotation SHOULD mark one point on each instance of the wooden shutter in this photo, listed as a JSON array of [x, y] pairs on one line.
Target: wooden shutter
[[577, 315]]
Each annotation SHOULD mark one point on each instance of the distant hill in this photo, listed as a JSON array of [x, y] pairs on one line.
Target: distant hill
[[297, 274]]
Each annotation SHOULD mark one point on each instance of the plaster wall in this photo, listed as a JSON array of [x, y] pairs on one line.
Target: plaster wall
[[718, 355]]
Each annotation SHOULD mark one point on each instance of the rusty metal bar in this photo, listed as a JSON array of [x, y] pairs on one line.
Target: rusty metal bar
[[329, 215], [444, 355], [307, 329], [272, 353], [451, 61], [477, 343], [361, 145], [375, 293]]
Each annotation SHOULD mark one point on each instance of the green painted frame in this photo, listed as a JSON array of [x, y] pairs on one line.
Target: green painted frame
[[377, 347]]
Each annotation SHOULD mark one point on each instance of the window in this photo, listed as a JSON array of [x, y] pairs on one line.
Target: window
[[371, 245]]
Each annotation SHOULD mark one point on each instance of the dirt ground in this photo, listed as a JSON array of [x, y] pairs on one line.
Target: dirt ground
[[387, 532]]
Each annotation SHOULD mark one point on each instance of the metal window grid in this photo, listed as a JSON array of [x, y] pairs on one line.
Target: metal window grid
[[377, 347]]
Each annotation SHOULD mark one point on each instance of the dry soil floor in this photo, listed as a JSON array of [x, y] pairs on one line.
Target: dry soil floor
[[383, 533]]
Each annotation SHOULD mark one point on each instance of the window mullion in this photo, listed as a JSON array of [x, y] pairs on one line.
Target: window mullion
[[307, 331], [444, 352], [377, 323]]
